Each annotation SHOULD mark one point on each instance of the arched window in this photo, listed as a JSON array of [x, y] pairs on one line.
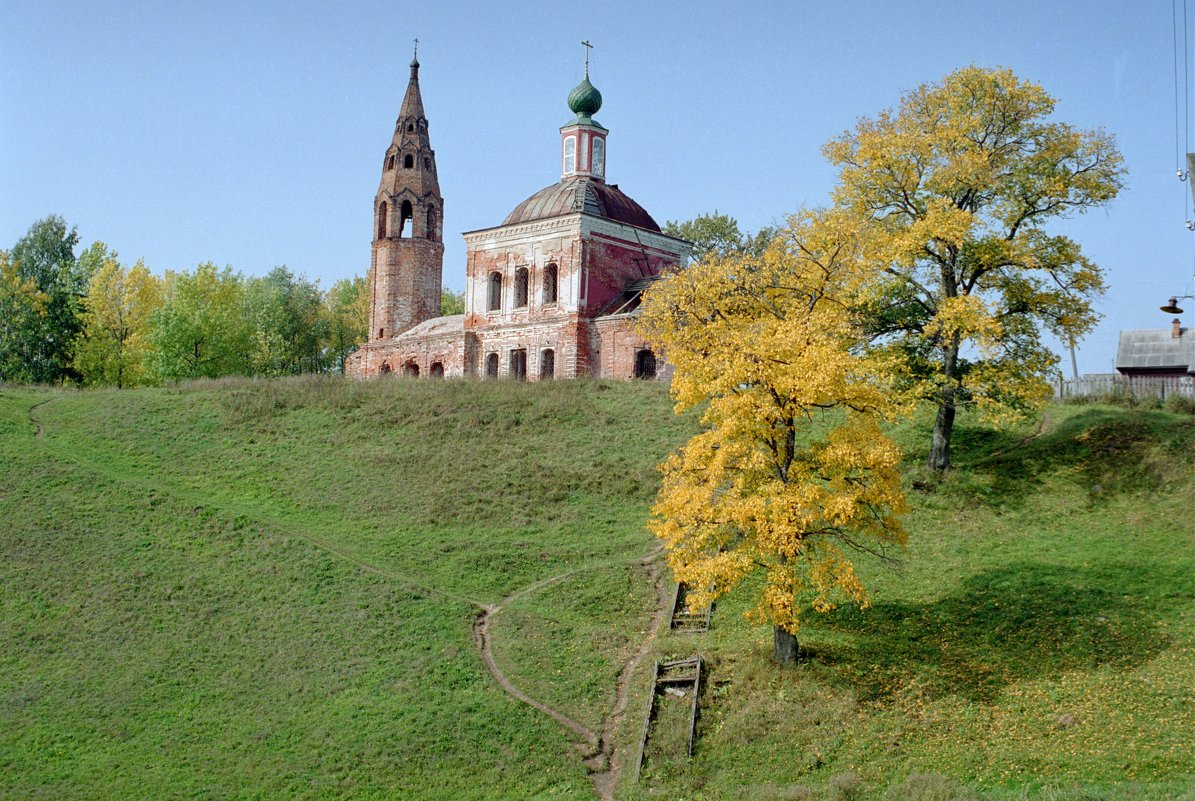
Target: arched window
[[491, 365], [404, 214], [383, 210], [521, 288], [550, 277], [410, 370], [518, 364], [427, 162], [390, 162], [547, 364], [437, 370], [385, 369], [598, 160], [570, 154], [410, 127], [431, 223], [645, 364], [381, 333], [495, 299], [408, 161]]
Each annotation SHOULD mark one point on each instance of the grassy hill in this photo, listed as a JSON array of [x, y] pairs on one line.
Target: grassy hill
[[268, 590]]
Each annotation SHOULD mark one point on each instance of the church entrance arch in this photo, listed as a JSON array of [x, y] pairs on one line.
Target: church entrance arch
[[645, 364]]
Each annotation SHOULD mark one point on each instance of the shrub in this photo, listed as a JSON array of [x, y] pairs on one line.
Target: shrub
[[844, 787], [929, 787], [1180, 404]]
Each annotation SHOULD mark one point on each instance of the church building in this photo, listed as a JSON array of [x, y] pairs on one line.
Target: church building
[[551, 292]]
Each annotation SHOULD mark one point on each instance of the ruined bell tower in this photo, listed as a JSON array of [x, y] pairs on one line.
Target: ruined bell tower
[[408, 250]]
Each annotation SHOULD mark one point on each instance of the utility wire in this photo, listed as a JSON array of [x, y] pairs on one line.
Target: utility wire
[[1178, 159], [1186, 87]]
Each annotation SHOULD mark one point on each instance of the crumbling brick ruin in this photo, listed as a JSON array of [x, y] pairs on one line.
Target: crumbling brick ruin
[[552, 292]]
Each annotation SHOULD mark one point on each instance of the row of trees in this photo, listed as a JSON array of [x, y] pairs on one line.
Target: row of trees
[[94, 320], [930, 278]]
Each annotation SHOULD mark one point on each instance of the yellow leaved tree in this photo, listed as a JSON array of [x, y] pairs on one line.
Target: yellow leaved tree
[[957, 185], [792, 471], [112, 346]]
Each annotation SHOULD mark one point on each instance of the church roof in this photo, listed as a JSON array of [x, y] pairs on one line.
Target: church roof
[[629, 299], [436, 326], [586, 195]]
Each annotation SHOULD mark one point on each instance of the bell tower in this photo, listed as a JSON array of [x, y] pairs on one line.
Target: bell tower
[[407, 262]]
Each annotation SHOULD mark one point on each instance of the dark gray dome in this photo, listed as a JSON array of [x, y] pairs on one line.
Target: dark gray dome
[[582, 194]]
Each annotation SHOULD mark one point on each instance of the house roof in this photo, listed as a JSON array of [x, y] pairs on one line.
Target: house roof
[[1156, 349], [586, 195]]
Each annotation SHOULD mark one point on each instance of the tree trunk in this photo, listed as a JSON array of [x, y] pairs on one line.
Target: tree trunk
[[939, 446], [784, 645]]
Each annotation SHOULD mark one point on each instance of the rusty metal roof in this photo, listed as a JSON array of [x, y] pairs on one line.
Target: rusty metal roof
[[1156, 349], [582, 195], [629, 299]]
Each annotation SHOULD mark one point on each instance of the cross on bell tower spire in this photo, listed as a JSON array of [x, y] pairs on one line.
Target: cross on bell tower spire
[[585, 43]]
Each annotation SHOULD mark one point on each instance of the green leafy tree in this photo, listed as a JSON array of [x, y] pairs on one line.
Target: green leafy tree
[[718, 235], [203, 329], [113, 346], [958, 185], [451, 302], [346, 309], [290, 328], [41, 290]]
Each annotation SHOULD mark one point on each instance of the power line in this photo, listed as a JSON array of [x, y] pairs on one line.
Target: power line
[[1178, 156]]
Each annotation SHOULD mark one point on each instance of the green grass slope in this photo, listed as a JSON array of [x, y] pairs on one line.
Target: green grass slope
[[1038, 640], [267, 589], [256, 590]]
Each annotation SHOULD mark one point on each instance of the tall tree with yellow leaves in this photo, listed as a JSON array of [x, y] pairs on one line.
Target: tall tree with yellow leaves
[[113, 345], [792, 471], [958, 185]]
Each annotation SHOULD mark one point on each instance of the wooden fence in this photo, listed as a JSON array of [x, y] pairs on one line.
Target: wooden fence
[[1129, 386]]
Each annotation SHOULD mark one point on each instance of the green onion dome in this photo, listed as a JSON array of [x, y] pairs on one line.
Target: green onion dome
[[585, 100]]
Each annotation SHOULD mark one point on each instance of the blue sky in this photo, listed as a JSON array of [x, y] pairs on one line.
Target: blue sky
[[251, 134]]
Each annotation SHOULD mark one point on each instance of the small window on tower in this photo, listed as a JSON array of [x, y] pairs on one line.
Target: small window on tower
[[495, 299], [550, 277], [427, 163], [410, 127], [382, 211], [405, 214], [570, 154], [599, 157], [390, 162], [521, 287], [408, 161]]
